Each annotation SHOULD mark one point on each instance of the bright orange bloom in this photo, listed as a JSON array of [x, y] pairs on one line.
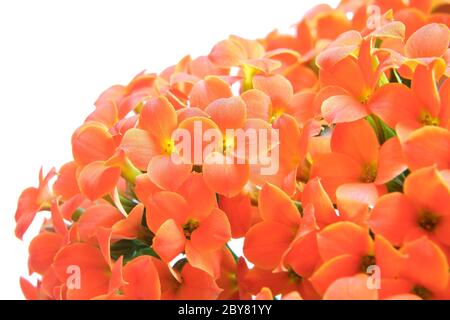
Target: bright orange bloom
[[31, 201], [421, 210], [326, 153], [357, 157], [181, 223]]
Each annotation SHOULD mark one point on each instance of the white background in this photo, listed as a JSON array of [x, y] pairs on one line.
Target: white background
[[56, 57]]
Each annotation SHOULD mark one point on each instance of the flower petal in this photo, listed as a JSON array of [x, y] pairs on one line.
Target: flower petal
[[223, 176], [343, 238], [159, 118], [213, 232], [169, 240], [266, 242], [98, 179], [206, 91], [162, 170], [276, 206], [392, 217], [351, 288], [430, 41], [142, 280], [228, 113], [427, 146]]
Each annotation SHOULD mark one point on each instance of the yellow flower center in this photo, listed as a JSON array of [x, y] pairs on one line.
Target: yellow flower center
[[428, 120], [369, 173], [168, 146], [228, 145], [275, 115]]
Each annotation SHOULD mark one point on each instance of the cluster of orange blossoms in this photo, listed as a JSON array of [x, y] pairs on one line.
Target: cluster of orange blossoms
[[359, 207]]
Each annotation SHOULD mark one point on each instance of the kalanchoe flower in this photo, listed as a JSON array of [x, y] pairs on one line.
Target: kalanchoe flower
[[356, 207]]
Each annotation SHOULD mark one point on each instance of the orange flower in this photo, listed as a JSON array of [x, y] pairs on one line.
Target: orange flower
[[408, 109], [348, 83], [31, 201], [157, 122], [421, 210], [267, 241], [167, 169], [357, 157], [183, 224]]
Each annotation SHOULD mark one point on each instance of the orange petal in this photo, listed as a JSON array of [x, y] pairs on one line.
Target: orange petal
[[223, 177], [140, 147], [194, 146], [199, 207], [303, 257], [228, 113], [335, 169], [117, 280], [392, 217], [142, 278], [429, 191], [425, 264], [336, 268], [97, 179], [227, 53], [430, 41], [86, 262], [27, 208], [427, 146], [343, 238], [197, 285], [169, 240], [145, 188], [315, 194], [58, 219], [163, 206], [213, 232], [391, 161], [354, 200], [348, 75], [357, 140], [277, 87], [42, 250], [395, 103], [130, 227], [104, 243], [206, 91], [343, 108], [266, 242], [29, 291], [66, 185], [258, 103], [265, 294], [92, 142], [206, 261], [159, 118], [443, 230], [387, 257], [302, 106], [101, 215], [239, 212], [276, 206], [425, 87], [162, 169], [344, 45], [351, 288]]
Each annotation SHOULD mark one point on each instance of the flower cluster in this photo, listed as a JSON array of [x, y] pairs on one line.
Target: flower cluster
[[167, 170]]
